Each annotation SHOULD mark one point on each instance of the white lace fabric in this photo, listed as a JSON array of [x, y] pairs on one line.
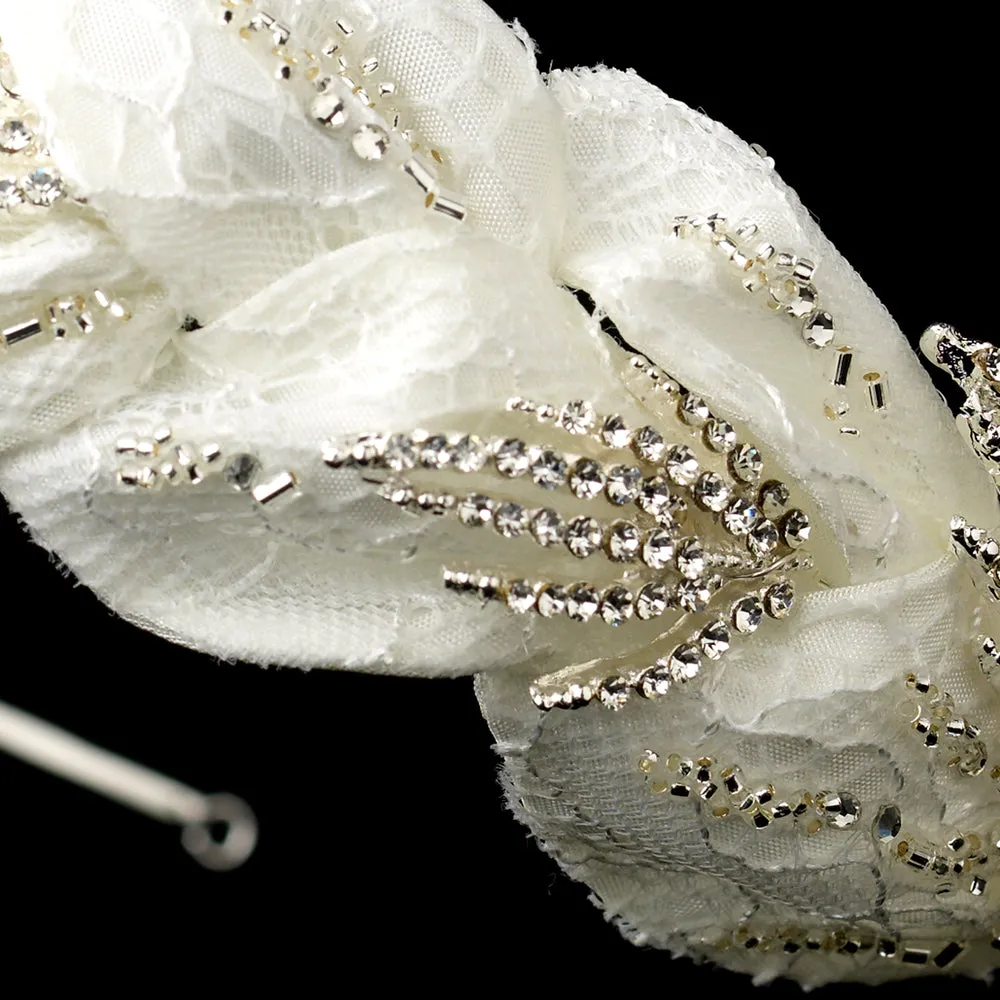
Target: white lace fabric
[[329, 302]]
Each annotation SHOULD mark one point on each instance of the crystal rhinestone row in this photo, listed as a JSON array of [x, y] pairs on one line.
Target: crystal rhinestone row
[[934, 719], [28, 176], [149, 463], [347, 94], [725, 793], [856, 941], [65, 318], [701, 518]]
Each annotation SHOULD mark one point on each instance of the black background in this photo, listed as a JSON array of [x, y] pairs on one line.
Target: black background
[[387, 849]]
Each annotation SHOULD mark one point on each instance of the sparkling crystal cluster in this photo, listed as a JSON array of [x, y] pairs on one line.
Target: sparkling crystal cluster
[[66, 318], [749, 530], [148, 463], [28, 177], [347, 94]]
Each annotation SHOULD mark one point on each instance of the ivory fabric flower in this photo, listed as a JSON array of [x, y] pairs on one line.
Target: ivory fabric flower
[[296, 374]]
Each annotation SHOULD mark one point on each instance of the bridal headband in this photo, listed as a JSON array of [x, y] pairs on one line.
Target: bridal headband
[[334, 334]]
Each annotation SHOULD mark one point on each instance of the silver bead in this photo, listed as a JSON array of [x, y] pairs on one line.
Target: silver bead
[[21, 332], [329, 109], [277, 490], [370, 142]]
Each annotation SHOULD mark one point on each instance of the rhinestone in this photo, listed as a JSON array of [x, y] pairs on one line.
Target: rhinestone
[[582, 602], [587, 479], [720, 436], [475, 510], [740, 517], [795, 529], [623, 541], [711, 492], [329, 110], [887, 824], [693, 595], [746, 464], [548, 469], [370, 142], [658, 549], [614, 693], [511, 458], [520, 596], [763, 538], [774, 498], [616, 605], [778, 599], [583, 536], [241, 472], [399, 454], [691, 559], [510, 519], [614, 432], [398, 492], [10, 194], [14, 136], [714, 639], [991, 364], [694, 410], [819, 329], [647, 443], [682, 466], [747, 613], [841, 810], [468, 454], [654, 497], [548, 527], [623, 483], [551, 600], [684, 663], [656, 680], [43, 187], [434, 452], [651, 601], [577, 417]]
